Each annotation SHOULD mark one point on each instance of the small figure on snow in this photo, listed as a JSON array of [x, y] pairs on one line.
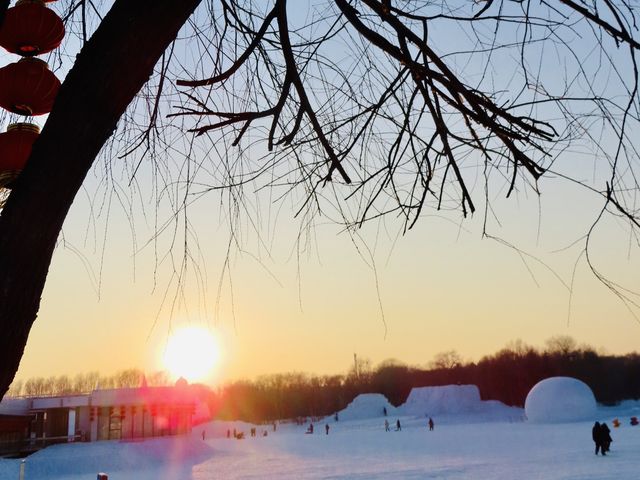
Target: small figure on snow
[[605, 438], [326, 428], [386, 425], [274, 426], [310, 429], [597, 435], [228, 433], [336, 417], [398, 427], [384, 410], [430, 423]]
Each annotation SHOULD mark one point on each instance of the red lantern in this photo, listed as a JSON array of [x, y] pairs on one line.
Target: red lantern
[[28, 87], [15, 148], [30, 28]]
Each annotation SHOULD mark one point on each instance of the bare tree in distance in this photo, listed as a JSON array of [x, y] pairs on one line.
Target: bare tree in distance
[[561, 345], [446, 360], [358, 109], [86, 383]]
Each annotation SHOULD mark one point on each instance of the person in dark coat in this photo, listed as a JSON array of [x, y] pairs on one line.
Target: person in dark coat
[[326, 428], [398, 427], [605, 438], [596, 435], [430, 423]]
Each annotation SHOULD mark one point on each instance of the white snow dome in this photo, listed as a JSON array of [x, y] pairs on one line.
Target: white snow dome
[[558, 400]]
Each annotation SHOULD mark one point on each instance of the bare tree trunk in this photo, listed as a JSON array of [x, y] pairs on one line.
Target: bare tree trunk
[[4, 5], [109, 71]]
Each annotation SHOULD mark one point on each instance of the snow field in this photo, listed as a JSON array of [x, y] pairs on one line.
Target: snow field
[[472, 439], [357, 449]]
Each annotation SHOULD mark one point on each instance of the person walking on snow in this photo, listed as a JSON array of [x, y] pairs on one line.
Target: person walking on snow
[[430, 423], [398, 427], [386, 425], [596, 435], [326, 428], [605, 438]]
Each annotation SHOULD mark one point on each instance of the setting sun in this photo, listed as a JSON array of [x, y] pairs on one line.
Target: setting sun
[[192, 353]]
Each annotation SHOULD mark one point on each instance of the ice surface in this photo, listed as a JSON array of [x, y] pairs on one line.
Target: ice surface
[[560, 399]]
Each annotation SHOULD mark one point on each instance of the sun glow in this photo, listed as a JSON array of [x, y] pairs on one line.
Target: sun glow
[[191, 353]]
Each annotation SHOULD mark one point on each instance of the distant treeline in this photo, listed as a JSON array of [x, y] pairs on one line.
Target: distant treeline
[[507, 376], [84, 383]]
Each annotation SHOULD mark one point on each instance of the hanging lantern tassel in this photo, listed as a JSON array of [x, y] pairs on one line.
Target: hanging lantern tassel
[[28, 87], [15, 148], [30, 28]]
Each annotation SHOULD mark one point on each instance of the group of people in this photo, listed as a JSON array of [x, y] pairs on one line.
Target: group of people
[[240, 435], [399, 426], [386, 426], [602, 437], [310, 429]]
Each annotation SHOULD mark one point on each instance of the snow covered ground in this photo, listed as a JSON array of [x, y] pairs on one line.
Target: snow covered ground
[[462, 446]]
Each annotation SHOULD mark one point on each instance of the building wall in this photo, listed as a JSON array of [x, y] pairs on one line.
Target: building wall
[[109, 415]]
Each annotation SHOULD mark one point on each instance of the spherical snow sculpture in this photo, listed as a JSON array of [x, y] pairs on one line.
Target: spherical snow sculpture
[[560, 399]]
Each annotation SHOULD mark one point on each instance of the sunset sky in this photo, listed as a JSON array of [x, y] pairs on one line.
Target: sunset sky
[[438, 287], [287, 293]]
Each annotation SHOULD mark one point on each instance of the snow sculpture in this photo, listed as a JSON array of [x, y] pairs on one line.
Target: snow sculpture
[[367, 405], [560, 399], [441, 400]]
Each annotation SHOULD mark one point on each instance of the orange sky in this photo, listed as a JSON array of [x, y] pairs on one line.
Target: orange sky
[[440, 286]]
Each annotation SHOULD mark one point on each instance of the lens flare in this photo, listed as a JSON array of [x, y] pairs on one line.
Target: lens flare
[[191, 353]]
